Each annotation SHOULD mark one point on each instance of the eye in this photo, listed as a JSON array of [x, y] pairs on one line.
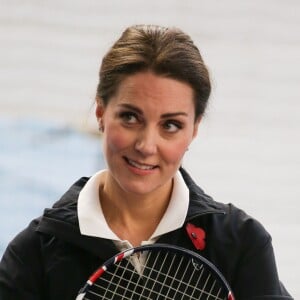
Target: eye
[[172, 126], [129, 117]]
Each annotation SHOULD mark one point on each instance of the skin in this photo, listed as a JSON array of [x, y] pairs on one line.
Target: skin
[[147, 127]]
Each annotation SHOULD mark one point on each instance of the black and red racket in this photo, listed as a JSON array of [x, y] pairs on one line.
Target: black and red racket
[[156, 272]]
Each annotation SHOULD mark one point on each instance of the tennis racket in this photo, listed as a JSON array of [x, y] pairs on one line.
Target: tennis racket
[[156, 272]]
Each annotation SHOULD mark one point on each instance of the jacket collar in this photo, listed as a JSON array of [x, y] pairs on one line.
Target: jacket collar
[[200, 203], [61, 220]]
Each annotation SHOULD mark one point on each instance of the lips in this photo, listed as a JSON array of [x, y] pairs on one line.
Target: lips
[[140, 165]]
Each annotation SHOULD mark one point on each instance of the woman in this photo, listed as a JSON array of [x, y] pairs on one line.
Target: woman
[[151, 96]]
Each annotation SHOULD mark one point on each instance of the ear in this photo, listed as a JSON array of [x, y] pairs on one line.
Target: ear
[[99, 109], [196, 126], [100, 114]]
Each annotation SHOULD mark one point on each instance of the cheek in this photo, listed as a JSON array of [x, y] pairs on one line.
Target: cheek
[[116, 140], [174, 152]]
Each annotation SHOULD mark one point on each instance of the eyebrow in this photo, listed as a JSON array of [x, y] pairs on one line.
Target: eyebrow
[[163, 116]]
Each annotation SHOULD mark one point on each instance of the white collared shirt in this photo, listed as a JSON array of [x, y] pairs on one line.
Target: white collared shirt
[[93, 223]]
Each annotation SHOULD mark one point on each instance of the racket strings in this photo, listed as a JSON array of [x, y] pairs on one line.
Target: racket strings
[[171, 287], [164, 277], [154, 293]]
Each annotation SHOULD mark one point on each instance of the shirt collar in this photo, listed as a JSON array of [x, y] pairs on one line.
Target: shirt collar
[[92, 221]]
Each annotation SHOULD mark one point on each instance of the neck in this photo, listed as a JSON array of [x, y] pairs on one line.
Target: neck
[[133, 217]]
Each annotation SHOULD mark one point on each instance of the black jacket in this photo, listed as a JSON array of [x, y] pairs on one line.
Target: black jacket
[[51, 260]]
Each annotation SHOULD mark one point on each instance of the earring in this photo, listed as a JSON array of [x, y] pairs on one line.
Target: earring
[[101, 127]]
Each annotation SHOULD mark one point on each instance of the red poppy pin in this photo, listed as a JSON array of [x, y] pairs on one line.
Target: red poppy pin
[[197, 236]]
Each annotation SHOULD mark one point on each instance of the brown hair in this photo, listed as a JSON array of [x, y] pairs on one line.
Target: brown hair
[[164, 51]]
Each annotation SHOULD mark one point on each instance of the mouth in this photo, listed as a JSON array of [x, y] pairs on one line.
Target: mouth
[[139, 165]]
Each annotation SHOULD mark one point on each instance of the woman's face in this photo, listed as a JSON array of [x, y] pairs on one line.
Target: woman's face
[[148, 125]]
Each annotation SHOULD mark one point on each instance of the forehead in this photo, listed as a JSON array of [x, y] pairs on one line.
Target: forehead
[[147, 88]]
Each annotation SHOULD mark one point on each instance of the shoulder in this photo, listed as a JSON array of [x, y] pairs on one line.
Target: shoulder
[[20, 265], [25, 244], [26, 249], [226, 225], [243, 227], [231, 226], [224, 218]]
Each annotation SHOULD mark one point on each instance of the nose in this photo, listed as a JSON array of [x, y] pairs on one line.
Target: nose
[[146, 142]]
